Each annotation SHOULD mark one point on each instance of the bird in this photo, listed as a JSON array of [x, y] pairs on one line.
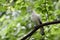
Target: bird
[[37, 20]]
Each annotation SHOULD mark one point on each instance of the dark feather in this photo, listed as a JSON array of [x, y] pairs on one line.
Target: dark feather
[[41, 28]]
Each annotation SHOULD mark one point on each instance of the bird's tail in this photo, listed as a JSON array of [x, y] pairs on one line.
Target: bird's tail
[[41, 28], [42, 31]]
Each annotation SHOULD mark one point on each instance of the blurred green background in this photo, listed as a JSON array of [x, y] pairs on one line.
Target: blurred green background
[[15, 19]]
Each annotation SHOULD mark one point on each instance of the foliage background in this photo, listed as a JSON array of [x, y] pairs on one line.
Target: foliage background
[[15, 18]]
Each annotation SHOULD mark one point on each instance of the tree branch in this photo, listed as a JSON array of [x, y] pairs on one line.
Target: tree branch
[[37, 27]]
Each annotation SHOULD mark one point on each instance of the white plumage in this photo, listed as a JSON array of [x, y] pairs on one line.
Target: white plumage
[[35, 18]]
